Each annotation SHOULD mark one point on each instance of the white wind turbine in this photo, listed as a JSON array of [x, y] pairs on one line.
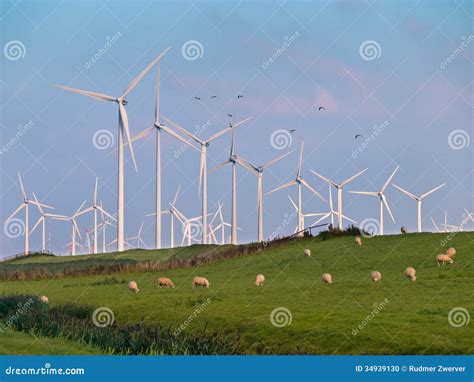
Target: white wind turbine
[[74, 227], [258, 172], [339, 187], [304, 215], [383, 199], [221, 226], [122, 128], [299, 181], [103, 228], [95, 207], [419, 199], [138, 238], [24, 204], [331, 213], [42, 219], [203, 166]]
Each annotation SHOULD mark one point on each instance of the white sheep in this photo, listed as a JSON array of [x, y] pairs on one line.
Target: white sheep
[[165, 282], [404, 229], [201, 281], [307, 252], [443, 259], [44, 299], [451, 252], [132, 285], [327, 278], [376, 276], [358, 240], [259, 280], [410, 273]]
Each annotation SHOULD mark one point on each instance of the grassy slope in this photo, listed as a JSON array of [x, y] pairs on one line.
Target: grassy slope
[[27, 344], [323, 316]]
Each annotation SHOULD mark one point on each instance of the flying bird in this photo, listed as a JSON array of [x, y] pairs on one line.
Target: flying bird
[[213, 96], [292, 131], [229, 115], [198, 98], [357, 136], [321, 108], [240, 96]]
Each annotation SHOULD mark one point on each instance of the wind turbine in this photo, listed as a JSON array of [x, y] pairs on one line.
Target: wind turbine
[[203, 166], [299, 181], [331, 213], [24, 204], [158, 127], [103, 227], [138, 238], [96, 208], [258, 172], [339, 187], [74, 227], [383, 199], [302, 214], [42, 220], [419, 199], [122, 128]]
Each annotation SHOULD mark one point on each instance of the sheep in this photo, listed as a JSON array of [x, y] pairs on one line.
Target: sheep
[[327, 278], [451, 252], [165, 282], [410, 273], [443, 259], [376, 276], [404, 229], [307, 252], [44, 299], [358, 240], [201, 281], [132, 285], [259, 280]]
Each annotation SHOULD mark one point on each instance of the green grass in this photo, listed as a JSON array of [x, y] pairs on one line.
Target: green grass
[[414, 321], [28, 344]]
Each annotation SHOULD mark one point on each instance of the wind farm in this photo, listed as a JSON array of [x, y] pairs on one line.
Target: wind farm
[[254, 186]]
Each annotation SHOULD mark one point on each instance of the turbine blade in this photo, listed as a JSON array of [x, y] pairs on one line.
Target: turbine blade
[[80, 208], [76, 228], [38, 204], [182, 130], [349, 219], [389, 179], [325, 216], [293, 203], [124, 120], [437, 229], [106, 213], [179, 137], [273, 161], [95, 191], [371, 193], [405, 192], [218, 134], [300, 163], [21, 187], [329, 181], [99, 96], [353, 177], [307, 185], [20, 207], [157, 98], [384, 200], [219, 166], [37, 224], [241, 122], [83, 212], [433, 190], [246, 165], [143, 73], [176, 196], [283, 186]]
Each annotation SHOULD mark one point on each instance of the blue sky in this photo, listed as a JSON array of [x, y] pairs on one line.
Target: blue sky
[[419, 80]]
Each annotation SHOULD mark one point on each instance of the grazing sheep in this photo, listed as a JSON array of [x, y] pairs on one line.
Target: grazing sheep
[[259, 280], [327, 278], [376, 276], [451, 252], [44, 299], [410, 273], [201, 281], [165, 282], [404, 229], [132, 285], [307, 252], [443, 259], [358, 240]]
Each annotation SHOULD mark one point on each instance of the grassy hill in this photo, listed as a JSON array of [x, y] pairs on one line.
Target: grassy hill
[[351, 316]]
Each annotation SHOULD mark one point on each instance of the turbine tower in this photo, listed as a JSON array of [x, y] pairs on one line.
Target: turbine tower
[[203, 166], [419, 199], [382, 197], [122, 128], [42, 219], [299, 181], [258, 172], [339, 187], [74, 227]]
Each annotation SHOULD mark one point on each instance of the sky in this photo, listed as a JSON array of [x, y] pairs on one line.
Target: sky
[[398, 73]]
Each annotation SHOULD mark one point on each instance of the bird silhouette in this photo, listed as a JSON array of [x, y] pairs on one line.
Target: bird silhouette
[[292, 131], [213, 96], [321, 108], [229, 115], [357, 136], [240, 96], [198, 98]]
